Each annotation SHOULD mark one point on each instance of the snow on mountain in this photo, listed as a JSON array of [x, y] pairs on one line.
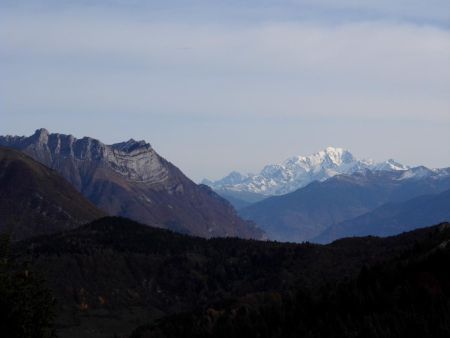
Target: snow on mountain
[[422, 172], [298, 171], [390, 165]]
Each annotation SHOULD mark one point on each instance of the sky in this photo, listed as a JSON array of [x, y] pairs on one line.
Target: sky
[[217, 86]]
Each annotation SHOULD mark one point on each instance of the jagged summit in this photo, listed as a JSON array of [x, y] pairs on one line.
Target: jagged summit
[[41, 132], [329, 157], [298, 171], [333, 155], [44, 136], [144, 166]]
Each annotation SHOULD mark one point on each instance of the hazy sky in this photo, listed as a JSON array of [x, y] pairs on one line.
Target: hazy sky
[[217, 86]]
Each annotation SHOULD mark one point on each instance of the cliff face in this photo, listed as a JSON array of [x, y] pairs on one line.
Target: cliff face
[[130, 179]]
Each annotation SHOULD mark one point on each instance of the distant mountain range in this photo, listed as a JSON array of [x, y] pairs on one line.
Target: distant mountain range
[[130, 179], [35, 200], [339, 195], [307, 212], [297, 172]]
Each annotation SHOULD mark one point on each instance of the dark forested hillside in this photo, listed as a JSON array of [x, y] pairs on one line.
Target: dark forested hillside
[[407, 296], [114, 274], [27, 307]]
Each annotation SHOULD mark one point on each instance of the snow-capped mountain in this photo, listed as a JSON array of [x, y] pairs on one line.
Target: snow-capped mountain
[[298, 171]]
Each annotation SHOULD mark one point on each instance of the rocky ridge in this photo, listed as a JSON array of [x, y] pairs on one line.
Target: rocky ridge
[[131, 179]]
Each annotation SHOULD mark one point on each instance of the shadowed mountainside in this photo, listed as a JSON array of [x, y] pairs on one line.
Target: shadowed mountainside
[[35, 200], [393, 218]]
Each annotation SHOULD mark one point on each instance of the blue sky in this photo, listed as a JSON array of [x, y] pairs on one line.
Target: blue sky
[[217, 86]]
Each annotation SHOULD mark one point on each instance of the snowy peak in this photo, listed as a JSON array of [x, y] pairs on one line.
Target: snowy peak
[[419, 172], [298, 171], [390, 165], [327, 158], [332, 156]]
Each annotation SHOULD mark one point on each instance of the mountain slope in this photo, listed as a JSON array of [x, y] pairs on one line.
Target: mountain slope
[[130, 179], [307, 212], [297, 172], [114, 274], [393, 218], [35, 200]]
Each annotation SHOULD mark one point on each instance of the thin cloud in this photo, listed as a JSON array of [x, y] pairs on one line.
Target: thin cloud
[[357, 69]]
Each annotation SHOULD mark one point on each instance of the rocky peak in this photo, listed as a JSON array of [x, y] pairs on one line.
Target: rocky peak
[[41, 134], [39, 138], [134, 160], [137, 161]]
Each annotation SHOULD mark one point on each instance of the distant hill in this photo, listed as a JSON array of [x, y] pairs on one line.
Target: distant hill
[[393, 218], [35, 200], [131, 179], [306, 213]]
